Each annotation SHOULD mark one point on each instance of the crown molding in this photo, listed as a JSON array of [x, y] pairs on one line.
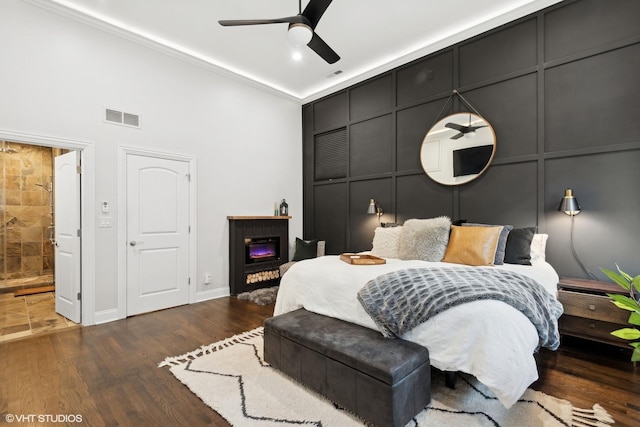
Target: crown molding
[[441, 41], [164, 47]]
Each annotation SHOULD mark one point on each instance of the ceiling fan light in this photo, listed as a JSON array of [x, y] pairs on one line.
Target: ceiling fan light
[[300, 34], [470, 134]]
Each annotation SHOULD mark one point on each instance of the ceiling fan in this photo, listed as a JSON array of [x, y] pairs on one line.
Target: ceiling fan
[[301, 27], [469, 131]]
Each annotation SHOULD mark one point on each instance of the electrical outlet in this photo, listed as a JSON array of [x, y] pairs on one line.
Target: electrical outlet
[[207, 278]]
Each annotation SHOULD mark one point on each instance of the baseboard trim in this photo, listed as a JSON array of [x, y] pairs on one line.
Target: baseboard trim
[[212, 294]]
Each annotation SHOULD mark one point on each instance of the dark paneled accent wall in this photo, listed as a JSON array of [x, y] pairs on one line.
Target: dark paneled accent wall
[[561, 89]]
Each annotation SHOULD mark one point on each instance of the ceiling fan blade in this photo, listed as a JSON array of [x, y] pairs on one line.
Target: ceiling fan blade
[[455, 126], [457, 136], [236, 22], [323, 49], [314, 11]]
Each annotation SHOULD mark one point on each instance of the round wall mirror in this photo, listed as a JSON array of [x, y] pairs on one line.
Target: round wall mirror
[[458, 149]]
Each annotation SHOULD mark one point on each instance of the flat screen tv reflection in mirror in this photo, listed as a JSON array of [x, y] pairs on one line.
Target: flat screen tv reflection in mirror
[[471, 161]]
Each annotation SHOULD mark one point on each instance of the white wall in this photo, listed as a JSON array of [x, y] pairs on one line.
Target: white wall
[[56, 77]]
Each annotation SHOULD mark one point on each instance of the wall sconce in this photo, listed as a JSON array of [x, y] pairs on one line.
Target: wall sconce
[[374, 209], [569, 205]]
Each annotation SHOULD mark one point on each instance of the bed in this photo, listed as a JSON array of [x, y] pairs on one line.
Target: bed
[[488, 339]]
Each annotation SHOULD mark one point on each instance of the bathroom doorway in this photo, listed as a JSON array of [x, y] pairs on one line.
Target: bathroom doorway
[[27, 252]]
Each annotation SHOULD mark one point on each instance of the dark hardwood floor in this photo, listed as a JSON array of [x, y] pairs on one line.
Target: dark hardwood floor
[[108, 373], [586, 372]]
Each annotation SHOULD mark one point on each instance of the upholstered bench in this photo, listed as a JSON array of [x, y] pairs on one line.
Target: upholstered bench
[[384, 381]]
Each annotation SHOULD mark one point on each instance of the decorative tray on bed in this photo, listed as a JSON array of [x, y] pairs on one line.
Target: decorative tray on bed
[[356, 259]]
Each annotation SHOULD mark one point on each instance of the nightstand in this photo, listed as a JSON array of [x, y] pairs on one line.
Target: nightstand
[[589, 312]]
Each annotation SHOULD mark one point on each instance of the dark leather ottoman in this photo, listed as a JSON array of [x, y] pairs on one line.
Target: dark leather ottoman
[[384, 381]]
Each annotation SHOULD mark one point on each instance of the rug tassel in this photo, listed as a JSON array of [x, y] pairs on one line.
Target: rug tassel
[[207, 349], [595, 417]]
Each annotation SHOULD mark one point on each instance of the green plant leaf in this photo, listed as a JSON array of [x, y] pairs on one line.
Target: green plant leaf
[[627, 333], [634, 289], [616, 278], [635, 356], [627, 277], [624, 302], [630, 303], [636, 282]]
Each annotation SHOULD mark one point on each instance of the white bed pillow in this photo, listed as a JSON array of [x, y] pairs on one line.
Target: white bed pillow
[[425, 239], [386, 241], [538, 247]]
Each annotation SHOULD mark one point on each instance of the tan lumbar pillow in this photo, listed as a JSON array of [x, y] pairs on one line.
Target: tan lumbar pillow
[[472, 245]]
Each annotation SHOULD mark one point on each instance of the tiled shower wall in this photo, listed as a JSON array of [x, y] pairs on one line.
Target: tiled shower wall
[[25, 211]]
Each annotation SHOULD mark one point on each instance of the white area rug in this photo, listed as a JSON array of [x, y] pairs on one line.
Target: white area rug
[[232, 377]]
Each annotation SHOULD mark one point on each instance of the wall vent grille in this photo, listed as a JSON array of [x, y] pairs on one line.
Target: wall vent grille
[[121, 118], [130, 119]]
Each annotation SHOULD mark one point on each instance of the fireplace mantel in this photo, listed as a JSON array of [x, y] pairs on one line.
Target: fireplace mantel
[[245, 276]]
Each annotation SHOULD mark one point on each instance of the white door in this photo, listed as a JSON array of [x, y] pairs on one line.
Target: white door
[[157, 233], [67, 235]]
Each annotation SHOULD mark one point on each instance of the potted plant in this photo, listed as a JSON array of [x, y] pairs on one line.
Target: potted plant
[[630, 303]]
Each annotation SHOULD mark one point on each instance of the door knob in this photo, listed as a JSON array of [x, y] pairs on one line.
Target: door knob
[[133, 243]]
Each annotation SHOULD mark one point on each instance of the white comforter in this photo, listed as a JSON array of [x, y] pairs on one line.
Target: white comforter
[[488, 339]]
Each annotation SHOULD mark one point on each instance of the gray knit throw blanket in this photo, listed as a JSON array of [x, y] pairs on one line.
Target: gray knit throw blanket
[[400, 300]]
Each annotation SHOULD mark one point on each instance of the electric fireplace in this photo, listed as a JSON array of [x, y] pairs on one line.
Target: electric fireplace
[[261, 249], [258, 245]]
